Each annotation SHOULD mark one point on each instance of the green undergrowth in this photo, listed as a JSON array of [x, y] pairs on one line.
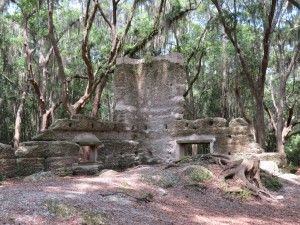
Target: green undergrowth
[[243, 194], [270, 182], [201, 175], [64, 211], [2, 179]]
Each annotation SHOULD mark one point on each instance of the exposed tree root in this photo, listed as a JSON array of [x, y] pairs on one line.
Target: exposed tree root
[[247, 170]]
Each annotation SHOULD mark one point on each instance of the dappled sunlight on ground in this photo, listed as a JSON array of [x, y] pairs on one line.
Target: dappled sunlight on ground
[[124, 198]]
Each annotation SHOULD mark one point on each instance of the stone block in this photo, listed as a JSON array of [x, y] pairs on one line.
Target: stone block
[[44, 149], [28, 166], [8, 167], [62, 149], [115, 154], [238, 122], [53, 163], [278, 158], [86, 169], [6, 152], [210, 122], [270, 167], [32, 149]]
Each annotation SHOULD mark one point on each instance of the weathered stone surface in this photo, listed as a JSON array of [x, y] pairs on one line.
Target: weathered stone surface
[[86, 169], [269, 167], [279, 159], [28, 166], [44, 149], [210, 122], [8, 167], [149, 121], [32, 150], [53, 163], [51, 135], [62, 149], [118, 154], [88, 124], [40, 176], [149, 96], [6, 152], [85, 139], [107, 173], [238, 122]]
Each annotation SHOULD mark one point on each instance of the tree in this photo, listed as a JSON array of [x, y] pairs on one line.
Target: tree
[[256, 80], [286, 57]]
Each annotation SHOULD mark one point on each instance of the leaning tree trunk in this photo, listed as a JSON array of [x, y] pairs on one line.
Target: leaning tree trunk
[[18, 121]]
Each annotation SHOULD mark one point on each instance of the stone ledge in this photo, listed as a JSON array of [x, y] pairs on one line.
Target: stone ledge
[[173, 57]]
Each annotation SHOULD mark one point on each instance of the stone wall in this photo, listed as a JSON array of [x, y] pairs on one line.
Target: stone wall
[[226, 138], [36, 156], [118, 143], [148, 125], [8, 162], [149, 96]]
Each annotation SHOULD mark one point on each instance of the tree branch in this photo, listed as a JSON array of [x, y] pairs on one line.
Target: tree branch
[[61, 71], [273, 94], [271, 117], [104, 16], [245, 67], [202, 36], [241, 105], [84, 48], [153, 32], [266, 42], [295, 3], [190, 86]]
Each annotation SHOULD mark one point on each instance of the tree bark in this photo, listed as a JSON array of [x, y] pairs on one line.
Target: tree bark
[[256, 86], [247, 170], [224, 109], [18, 121]]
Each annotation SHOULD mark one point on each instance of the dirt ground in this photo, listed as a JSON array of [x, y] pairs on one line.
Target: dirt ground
[[128, 197]]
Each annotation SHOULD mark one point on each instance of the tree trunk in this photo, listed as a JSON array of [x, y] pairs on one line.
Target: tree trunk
[[98, 94], [18, 121], [247, 170], [224, 87], [260, 123]]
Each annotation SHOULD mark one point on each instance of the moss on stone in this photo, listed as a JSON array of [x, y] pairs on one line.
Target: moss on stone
[[62, 210]]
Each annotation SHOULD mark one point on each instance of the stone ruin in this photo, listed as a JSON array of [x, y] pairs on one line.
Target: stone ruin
[[148, 127]]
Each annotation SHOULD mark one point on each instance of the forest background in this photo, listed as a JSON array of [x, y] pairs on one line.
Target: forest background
[[57, 59]]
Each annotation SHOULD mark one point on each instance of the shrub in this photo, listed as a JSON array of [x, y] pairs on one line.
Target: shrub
[[292, 150], [272, 183], [244, 194], [293, 170], [200, 174], [2, 178]]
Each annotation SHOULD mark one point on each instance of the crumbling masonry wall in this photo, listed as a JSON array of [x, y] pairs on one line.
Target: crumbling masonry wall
[[148, 125], [149, 98]]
